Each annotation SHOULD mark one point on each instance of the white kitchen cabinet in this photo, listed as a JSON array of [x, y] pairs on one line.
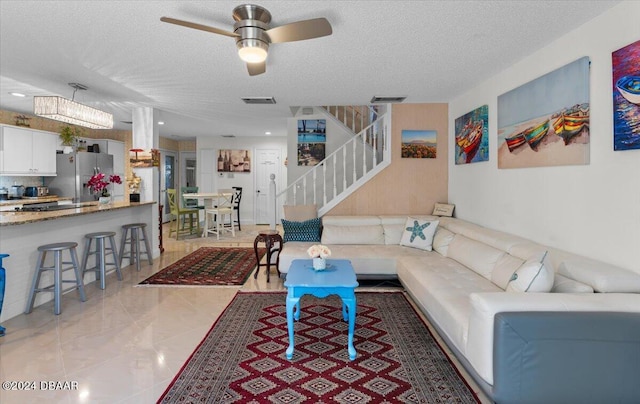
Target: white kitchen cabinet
[[28, 152]]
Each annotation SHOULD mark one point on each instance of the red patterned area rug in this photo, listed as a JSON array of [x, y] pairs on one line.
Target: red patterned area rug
[[242, 358], [208, 266]]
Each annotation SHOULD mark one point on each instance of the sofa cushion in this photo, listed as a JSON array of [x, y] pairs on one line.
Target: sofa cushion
[[366, 234], [600, 276], [441, 240], [562, 284], [419, 233], [535, 275], [350, 220], [300, 213], [443, 209], [506, 266], [308, 230], [475, 255]]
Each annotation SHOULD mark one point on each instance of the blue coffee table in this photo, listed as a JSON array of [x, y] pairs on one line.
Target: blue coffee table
[[338, 279]]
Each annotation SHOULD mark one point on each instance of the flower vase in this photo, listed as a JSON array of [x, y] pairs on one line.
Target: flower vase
[[319, 264], [104, 200]]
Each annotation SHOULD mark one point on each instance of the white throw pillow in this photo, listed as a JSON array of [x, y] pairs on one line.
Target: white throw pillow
[[535, 275], [419, 233]]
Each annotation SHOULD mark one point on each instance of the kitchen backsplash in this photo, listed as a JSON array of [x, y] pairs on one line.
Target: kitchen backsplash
[[7, 181]]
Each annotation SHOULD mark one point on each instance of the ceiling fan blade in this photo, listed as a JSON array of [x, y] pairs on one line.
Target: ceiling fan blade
[[199, 26], [301, 30], [256, 68]]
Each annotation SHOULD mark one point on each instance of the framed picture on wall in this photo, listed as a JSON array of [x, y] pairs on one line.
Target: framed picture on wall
[[545, 122], [310, 154], [234, 161], [472, 136], [626, 97], [419, 144], [312, 130]]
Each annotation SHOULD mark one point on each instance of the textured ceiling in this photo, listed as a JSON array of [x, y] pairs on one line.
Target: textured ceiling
[[429, 51]]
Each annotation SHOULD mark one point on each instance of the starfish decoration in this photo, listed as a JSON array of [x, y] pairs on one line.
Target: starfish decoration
[[416, 230]]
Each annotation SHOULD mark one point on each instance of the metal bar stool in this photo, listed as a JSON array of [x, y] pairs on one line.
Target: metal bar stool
[[101, 254], [58, 269], [137, 232]]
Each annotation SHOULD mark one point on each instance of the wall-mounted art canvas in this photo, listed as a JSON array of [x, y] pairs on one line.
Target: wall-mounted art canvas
[[234, 161], [139, 158], [545, 122], [472, 136], [312, 130], [310, 154], [419, 144], [626, 97]]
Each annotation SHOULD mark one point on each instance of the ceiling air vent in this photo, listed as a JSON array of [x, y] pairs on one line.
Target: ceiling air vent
[[386, 100], [228, 135], [259, 100]]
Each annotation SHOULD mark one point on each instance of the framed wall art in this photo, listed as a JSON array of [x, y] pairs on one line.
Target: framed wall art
[[234, 161], [419, 144], [545, 122], [472, 136], [626, 97]]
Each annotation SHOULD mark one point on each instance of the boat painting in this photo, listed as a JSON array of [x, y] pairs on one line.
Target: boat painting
[[629, 87], [516, 140], [626, 97], [471, 136], [535, 134], [570, 121], [550, 114]]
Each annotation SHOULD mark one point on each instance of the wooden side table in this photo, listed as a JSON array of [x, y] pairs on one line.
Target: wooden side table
[[270, 238]]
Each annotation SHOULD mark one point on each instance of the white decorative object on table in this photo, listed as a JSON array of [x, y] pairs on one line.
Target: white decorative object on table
[[319, 254]]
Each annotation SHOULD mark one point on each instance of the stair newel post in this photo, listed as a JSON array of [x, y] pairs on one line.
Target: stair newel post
[[335, 185], [273, 206]]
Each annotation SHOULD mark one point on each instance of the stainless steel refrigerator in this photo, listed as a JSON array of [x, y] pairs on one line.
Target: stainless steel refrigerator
[[75, 170]]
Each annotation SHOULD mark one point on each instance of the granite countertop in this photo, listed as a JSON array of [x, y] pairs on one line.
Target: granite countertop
[[10, 218]]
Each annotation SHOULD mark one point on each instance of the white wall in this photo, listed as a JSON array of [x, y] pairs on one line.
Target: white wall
[[209, 180], [592, 210]]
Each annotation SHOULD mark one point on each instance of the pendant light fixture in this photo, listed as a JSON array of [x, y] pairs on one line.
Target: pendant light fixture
[[69, 111]]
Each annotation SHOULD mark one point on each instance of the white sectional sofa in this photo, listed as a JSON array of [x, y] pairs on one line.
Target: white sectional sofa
[[576, 342]]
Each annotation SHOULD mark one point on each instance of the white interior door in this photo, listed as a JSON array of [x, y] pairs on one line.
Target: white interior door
[[267, 163]]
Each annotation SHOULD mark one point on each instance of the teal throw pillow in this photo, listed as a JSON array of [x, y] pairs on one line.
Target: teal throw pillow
[[308, 230]]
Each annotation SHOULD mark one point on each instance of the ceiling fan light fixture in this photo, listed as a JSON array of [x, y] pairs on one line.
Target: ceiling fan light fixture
[[252, 50]]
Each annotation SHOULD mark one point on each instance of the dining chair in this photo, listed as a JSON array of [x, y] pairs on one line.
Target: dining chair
[[190, 203], [235, 203], [217, 213], [181, 214]]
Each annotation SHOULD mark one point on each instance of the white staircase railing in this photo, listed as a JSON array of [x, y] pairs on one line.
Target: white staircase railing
[[347, 168]]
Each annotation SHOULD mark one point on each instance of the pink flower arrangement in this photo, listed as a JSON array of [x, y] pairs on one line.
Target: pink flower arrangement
[[319, 251], [98, 183]]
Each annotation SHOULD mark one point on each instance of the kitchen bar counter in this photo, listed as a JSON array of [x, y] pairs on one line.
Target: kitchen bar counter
[[22, 232], [9, 218]]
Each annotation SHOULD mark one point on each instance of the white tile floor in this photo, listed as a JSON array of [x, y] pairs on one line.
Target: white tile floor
[[124, 344]]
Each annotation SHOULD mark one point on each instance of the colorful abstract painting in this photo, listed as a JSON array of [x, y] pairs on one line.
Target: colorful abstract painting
[[545, 122], [626, 97], [472, 136], [419, 144]]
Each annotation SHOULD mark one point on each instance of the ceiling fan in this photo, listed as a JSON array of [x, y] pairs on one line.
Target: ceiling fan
[[253, 34]]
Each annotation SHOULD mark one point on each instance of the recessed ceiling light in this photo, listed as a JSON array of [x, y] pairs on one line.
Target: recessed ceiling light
[[267, 133], [18, 94], [160, 122]]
